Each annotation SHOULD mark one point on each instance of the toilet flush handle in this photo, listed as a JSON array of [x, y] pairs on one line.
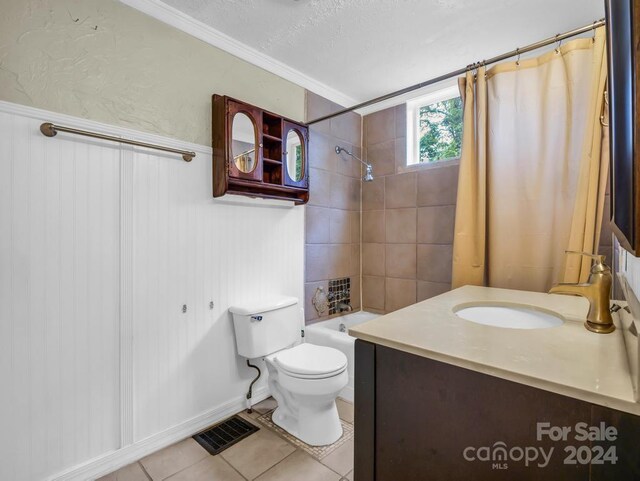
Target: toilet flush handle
[[256, 318]]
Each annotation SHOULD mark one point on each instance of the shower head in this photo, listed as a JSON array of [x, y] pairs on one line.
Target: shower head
[[368, 173]]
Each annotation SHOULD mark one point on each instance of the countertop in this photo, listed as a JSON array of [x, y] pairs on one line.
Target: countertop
[[567, 359]]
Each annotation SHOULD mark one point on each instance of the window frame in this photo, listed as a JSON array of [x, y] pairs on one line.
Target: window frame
[[413, 108]]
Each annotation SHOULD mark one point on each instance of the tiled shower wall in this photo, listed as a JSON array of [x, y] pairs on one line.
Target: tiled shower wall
[[332, 227], [407, 219]]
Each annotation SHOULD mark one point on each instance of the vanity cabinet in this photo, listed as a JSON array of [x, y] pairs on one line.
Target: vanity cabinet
[[415, 417], [257, 153]]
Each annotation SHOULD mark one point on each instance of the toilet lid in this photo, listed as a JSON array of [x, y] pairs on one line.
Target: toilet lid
[[309, 359]]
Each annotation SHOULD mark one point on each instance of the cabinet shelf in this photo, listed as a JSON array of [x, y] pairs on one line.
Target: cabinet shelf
[[271, 161], [272, 138]]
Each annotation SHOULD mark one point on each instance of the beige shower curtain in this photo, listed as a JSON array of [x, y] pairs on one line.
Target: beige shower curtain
[[533, 169]]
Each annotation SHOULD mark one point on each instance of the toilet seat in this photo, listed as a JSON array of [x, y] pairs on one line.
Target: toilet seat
[[308, 361]]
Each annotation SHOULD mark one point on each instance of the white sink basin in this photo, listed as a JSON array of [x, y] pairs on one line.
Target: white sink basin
[[509, 316]]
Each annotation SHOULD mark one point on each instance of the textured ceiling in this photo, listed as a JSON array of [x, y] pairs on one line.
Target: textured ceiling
[[365, 48]]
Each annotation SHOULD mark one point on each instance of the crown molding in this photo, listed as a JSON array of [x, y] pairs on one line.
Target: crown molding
[[177, 19]]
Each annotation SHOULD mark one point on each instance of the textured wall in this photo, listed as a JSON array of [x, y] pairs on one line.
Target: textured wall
[[332, 228], [102, 60], [407, 219]]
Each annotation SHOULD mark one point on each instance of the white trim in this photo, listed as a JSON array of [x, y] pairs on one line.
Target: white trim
[[413, 106], [76, 122], [177, 19], [408, 97], [108, 463]]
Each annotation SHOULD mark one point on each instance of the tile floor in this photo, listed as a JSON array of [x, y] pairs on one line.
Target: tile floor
[[263, 456]]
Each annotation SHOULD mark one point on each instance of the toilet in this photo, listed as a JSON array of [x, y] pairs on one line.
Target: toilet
[[304, 378]]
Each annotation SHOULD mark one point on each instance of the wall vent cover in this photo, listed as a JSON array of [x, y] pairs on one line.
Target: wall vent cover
[[225, 434]]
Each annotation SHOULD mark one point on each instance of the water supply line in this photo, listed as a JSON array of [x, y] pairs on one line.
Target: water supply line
[[250, 392]]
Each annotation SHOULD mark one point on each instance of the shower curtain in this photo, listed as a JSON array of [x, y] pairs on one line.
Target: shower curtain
[[533, 169]]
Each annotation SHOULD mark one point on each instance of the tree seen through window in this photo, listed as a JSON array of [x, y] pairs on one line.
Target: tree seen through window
[[440, 130]]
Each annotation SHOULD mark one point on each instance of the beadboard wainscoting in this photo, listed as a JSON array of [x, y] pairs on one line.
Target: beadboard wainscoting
[[101, 246]]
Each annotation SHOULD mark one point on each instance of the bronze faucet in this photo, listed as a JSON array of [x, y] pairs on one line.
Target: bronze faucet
[[597, 290]]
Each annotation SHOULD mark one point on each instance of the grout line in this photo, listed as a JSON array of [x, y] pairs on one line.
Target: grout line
[[233, 467], [271, 467], [144, 470]]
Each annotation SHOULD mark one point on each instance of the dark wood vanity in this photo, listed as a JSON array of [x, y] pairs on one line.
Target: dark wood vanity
[[415, 417], [258, 153]]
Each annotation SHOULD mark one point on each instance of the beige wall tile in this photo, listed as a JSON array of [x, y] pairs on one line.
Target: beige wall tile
[[345, 192], [373, 293], [317, 262], [400, 261], [339, 191], [434, 262], [321, 153], [438, 186], [309, 291], [317, 106], [339, 260], [355, 260], [427, 290], [399, 293], [347, 127], [320, 191], [373, 259], [401, 120], [401, 153], [317, 221], [355, 293], [340, 227], [354, 217], [382, 157], [373, 194], [373, 229], [436, 224], [400, 190], [380, 126], [354, 193], [345, 164], [400, 226]]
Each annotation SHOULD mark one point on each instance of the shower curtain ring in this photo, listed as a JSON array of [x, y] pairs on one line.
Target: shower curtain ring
[[559, 42], [518, 59], [593, 39]]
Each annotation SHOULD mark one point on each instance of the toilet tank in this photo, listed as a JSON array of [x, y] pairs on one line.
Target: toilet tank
[[263, 328]]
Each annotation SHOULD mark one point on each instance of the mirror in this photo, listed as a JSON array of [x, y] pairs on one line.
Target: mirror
[[243, 143], [294, 156]]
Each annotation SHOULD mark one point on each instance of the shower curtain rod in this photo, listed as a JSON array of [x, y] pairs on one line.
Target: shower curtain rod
[[455, 73]]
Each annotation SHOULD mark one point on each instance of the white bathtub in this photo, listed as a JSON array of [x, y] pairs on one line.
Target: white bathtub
[[327, 333]]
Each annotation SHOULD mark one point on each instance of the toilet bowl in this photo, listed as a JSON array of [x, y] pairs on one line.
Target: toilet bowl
[[305, 380]]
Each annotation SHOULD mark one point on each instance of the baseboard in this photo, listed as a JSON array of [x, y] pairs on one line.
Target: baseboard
[[114, 460]]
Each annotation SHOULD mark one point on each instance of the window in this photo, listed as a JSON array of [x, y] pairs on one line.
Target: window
[[434, 127]]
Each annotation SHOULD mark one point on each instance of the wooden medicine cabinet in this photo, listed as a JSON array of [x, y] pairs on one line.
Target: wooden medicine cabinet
[[258, 153]]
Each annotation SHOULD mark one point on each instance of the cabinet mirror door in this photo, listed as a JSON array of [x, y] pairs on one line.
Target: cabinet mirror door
[[294, 155], [245, 148]]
